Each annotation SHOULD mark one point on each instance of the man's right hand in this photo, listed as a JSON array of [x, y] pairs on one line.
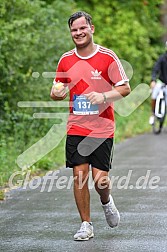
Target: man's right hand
[[58, 93], [152, 84]]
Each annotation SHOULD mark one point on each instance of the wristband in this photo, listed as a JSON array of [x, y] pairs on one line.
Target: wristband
[[105, 98]]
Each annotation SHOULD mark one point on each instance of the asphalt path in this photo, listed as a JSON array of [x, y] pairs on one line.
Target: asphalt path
[[42, 216]]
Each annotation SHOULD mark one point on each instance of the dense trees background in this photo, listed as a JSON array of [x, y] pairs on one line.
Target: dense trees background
[[131, 28], [34, 34]]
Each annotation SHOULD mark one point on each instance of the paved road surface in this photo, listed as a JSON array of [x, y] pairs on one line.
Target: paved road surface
[[36, 221]]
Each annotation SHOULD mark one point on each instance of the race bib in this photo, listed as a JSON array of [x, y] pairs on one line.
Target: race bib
[[82, 106]]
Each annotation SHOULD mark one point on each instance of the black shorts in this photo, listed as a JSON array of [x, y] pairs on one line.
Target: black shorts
[[95, 151]]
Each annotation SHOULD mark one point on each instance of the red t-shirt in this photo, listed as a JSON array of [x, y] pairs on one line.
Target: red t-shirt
[[98, 72]]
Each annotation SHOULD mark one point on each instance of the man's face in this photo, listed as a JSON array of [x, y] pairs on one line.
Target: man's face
[[81, 32]]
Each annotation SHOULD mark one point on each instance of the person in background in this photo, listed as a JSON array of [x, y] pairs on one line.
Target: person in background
[[95, 78], [159, 76]]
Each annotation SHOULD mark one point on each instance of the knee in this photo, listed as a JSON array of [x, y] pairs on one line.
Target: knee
[[102, 183], [81, 177]]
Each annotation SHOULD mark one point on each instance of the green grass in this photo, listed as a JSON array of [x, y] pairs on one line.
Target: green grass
[[2, 194], [12, 146], [134, 124]]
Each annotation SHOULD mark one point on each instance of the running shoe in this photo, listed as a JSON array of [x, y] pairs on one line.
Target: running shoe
[[111, 213], [85, 232]]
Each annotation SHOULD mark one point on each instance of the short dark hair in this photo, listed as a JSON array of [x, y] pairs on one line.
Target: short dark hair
[[79, 14]]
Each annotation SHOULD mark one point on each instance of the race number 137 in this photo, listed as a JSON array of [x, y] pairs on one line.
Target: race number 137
[[82, 106]]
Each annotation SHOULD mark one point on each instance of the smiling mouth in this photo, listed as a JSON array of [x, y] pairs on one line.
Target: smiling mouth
[[80, 38]]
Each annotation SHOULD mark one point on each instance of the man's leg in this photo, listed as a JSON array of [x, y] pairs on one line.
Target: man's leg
[[102, 186], [81, 191], [153, 101], [82, 198], [155, 90], [151, 119]]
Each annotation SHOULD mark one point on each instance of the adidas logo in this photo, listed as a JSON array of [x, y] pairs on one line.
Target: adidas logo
[[96, 75]]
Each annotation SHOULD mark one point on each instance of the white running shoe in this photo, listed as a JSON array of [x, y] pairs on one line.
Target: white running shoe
[[151, 120], [85, 232], [111, 213]]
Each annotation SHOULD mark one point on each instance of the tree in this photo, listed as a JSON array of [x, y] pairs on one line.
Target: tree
[[33, 35], [131, 28], [32, 39]]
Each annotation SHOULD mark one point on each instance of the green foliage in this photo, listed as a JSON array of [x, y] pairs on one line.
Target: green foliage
[[2, 195], [32, 39], [134, 124]]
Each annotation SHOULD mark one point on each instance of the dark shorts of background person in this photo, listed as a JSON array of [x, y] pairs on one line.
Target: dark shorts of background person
[[97, 152]]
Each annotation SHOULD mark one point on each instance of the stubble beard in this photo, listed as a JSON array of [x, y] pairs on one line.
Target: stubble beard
[[84, 45]]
